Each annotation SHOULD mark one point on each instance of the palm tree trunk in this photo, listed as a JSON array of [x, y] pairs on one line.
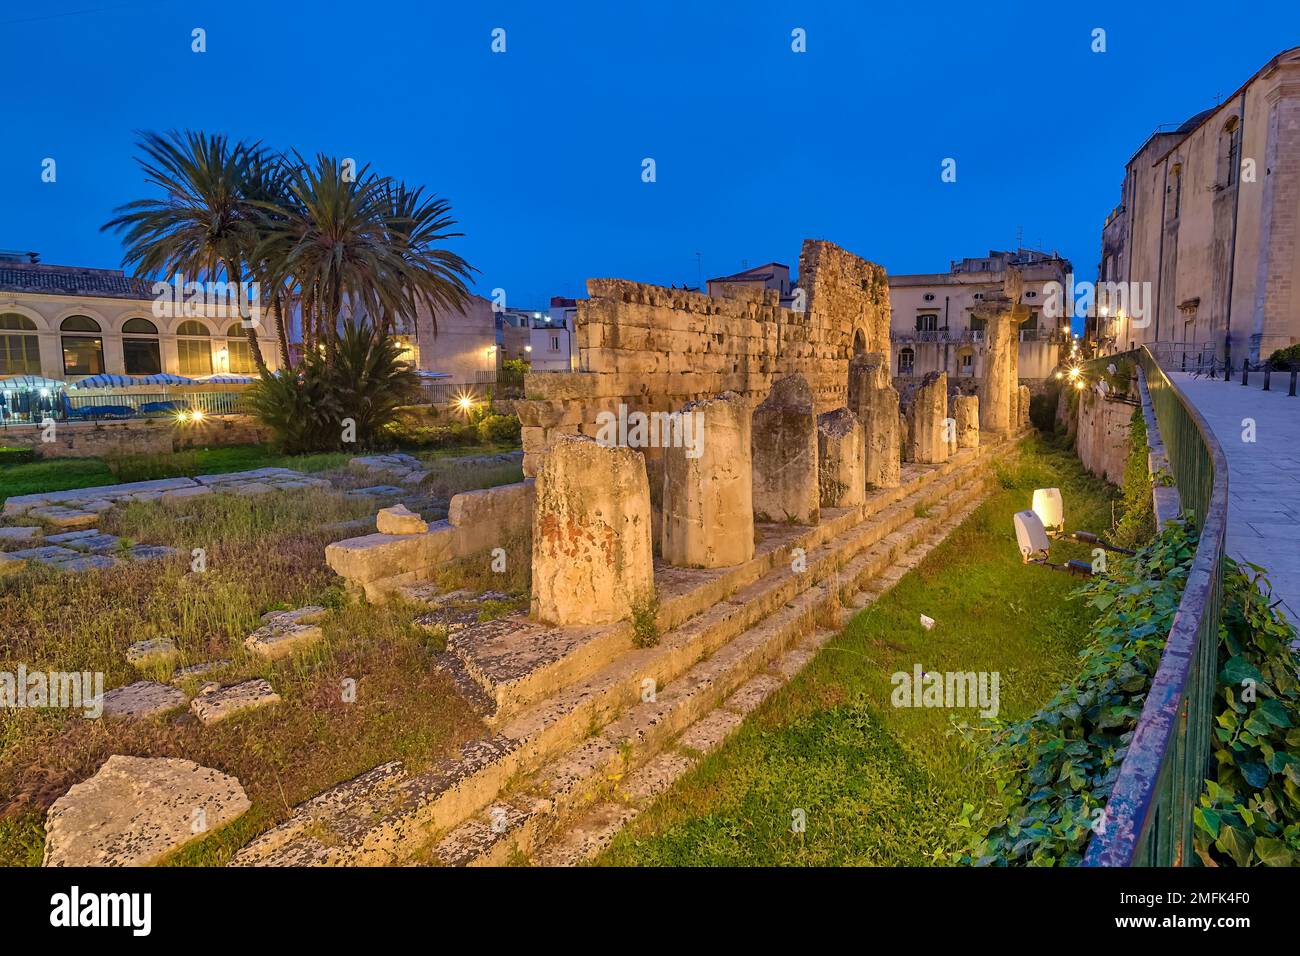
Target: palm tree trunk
[[250, 331], [277, 306]]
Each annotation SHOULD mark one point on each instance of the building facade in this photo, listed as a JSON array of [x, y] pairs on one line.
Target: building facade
[[933, 328], [65, 323], [1198, 259]]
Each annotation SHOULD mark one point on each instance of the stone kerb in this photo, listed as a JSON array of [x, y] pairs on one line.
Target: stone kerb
[[592, 559], [707, 505], [786, 486]]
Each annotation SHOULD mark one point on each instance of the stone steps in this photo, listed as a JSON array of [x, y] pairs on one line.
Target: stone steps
[[725, 626], [710, 699], [590, 830]]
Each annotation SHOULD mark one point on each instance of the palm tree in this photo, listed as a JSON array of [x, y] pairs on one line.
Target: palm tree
[[205, 222], [434, 276]]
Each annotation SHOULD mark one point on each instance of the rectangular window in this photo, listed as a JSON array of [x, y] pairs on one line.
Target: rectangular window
[[141, 356], [195, 356], [240, 357], [927, 323], [82, 355], [555, 343], [20, 355]]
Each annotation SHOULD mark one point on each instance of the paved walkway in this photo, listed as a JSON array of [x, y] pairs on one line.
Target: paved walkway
[[1263, 476]]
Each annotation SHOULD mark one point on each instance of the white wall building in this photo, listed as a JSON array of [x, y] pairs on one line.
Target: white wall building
[[932, 328]]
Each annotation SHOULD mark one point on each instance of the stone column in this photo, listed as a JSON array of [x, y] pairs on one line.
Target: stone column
[[874, 400], [1022, 406], [841, 459], [997, 392], [966, 410], [928, 437], [708, 506], [592, 559], [785, 454]]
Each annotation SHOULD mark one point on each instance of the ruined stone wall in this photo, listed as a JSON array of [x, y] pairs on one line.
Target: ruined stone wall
[[656, 349]]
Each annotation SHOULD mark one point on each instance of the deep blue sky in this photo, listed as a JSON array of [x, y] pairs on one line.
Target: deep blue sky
[[539, 149]]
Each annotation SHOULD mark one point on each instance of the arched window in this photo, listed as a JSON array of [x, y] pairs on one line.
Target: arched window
[[140, 353], [83, 350], [194, 348], [906, 361], [239, 357], [20, 349]]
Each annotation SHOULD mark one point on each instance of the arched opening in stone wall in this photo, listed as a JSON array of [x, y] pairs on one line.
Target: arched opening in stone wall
[[859, 343]]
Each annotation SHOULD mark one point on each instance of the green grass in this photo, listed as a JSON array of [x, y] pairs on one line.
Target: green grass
[[880, 785], [62, 474]]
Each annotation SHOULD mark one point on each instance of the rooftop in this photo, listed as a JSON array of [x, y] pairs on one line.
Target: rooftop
[[41, 279]]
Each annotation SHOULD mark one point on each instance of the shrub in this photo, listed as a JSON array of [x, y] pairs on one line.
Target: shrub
[[498, 429], [365, 381], [1285, 358], [1249, 813], [1137, 523]]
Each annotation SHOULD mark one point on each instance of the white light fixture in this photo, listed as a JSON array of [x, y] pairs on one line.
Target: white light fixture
[[1030, 536], [1049, 508]]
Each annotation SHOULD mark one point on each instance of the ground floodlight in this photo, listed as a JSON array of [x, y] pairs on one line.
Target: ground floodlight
[[1030, 536], [1049, 508]]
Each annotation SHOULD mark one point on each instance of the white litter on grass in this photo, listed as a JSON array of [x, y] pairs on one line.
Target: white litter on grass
[[927, 622]]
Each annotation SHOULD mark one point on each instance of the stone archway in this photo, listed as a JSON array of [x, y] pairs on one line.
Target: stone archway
[[859, 343]]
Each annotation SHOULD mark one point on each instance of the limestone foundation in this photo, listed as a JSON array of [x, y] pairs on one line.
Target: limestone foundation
[[841, 459], [592, 560], [708, 509], [785, 454], [928, 433]]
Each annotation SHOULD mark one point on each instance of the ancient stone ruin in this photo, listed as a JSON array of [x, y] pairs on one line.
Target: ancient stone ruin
[[709, 571], [592, 559], [708, 515], [841, 459], [928, 427], [873, 399], [785, 455]]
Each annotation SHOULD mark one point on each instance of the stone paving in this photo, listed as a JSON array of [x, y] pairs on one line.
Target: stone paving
[[81, 507], [1263, 475]]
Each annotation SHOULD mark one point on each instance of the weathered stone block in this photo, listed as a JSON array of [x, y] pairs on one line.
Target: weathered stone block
[[927, 428], [490, 517], [966, 412], [708, 511], [997, 392], [399, 519], [224, 702], [1022, 406], [592, 560], [841, 459], [785, 454], [136, 810], [374, 556]]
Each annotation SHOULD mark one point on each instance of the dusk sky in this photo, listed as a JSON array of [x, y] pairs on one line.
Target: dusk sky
[[540, 149]]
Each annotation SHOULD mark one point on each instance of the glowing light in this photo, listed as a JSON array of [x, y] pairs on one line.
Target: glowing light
[[1079, 385], [196, 415], [465, 402], [528, 348]]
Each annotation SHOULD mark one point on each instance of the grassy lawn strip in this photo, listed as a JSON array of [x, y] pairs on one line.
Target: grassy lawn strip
[[63, 474], [880, 785]]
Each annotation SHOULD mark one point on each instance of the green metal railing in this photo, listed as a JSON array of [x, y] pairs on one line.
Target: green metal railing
[[1148, 818]]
